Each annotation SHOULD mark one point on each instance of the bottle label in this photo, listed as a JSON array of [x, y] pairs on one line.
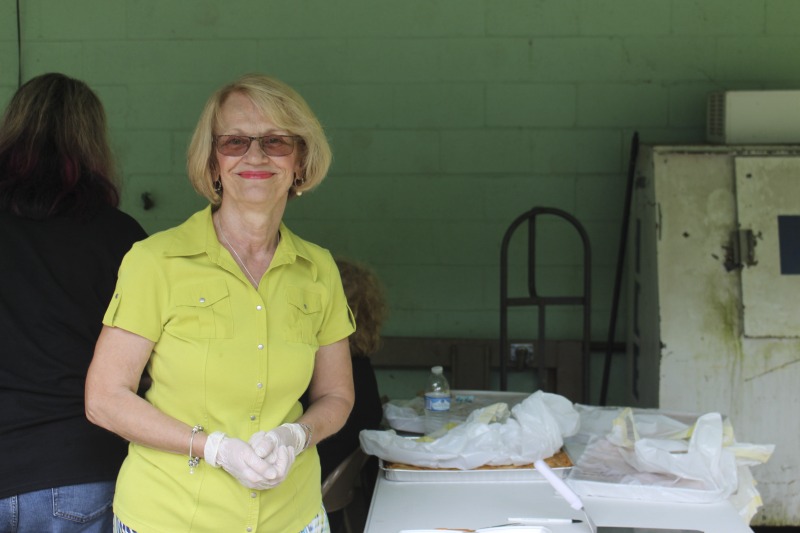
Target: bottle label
[[437, 403]]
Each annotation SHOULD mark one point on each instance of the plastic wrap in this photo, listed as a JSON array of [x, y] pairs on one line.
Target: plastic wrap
[[651, 456], [534, 430]]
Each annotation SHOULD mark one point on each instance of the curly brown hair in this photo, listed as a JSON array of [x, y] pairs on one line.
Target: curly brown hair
[[365, 296]]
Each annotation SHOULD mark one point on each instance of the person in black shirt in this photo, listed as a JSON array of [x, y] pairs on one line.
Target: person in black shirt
[[62, 240]]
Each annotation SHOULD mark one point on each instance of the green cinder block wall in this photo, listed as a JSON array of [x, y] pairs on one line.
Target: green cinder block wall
[[448, 119]]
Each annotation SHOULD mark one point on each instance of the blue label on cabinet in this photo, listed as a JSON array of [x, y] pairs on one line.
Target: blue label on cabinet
[[789, 243]]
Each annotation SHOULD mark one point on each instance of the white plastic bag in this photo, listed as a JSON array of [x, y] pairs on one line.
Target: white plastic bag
[[406, 415], [654, 457], [535, 430]]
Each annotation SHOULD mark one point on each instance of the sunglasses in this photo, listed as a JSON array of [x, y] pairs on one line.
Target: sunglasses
[[238, 145]]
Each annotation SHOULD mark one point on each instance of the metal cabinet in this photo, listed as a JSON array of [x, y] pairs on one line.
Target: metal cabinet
[[713, 280]]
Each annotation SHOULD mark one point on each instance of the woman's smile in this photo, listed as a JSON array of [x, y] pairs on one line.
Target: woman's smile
[[255, 174]]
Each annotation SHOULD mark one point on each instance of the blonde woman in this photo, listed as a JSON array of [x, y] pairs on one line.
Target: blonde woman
[[234, 316]]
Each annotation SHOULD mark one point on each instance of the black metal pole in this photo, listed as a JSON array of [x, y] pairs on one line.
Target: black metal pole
[[620, 264]]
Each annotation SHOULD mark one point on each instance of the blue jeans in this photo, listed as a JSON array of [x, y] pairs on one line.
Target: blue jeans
[[84, 508]]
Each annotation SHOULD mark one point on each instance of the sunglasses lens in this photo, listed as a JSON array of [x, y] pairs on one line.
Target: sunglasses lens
[[237, 145], [277, 144], [233, 144]]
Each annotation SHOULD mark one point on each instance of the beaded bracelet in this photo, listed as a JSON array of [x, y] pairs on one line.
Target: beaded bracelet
[[193, 459]]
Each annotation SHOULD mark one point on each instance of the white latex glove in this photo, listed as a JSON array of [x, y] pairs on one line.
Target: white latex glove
[[279, 447], [290, 435], [240, 460]]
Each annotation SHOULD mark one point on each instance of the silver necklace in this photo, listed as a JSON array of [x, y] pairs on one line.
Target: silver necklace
[[249, 275]]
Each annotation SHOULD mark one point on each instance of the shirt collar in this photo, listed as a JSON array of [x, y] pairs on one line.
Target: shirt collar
[[197, 236]]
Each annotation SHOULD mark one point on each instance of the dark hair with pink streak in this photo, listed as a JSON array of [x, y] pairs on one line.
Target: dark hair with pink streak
[[54, 153]]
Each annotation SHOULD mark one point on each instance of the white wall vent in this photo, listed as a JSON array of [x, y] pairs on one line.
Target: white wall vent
[[753, 117]]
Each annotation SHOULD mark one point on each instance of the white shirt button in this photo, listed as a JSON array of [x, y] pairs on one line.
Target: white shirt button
[[258, 308], [259, 385], [249, 528], [253, 494], [252, 417], [260, 346], [202, 300]]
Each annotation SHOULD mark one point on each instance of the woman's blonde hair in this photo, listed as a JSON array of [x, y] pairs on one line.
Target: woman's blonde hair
[[366, 299], [285, 108]]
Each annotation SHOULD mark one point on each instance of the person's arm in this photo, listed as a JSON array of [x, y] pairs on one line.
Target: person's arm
[[331, 399], [331, 395], [112, 403]]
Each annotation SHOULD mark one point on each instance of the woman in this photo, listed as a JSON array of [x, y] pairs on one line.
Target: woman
[[234, 317], [365, 296], [62, 240]]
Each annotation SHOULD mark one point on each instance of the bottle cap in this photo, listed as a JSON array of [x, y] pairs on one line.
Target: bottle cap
[[436, 369]]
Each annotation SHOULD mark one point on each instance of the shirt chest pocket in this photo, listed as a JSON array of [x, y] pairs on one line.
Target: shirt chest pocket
[[304, 309], [202, 311]]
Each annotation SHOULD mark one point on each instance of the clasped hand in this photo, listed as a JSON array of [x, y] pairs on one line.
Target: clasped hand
[[263, 463]]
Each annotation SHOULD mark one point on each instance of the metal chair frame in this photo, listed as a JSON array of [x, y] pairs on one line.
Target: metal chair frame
[[534, 299], [338, 489]]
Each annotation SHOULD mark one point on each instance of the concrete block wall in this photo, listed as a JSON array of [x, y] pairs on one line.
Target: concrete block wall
[[448, 118]]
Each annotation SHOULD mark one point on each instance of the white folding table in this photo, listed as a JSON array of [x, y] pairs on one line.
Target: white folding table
[[398, 505]]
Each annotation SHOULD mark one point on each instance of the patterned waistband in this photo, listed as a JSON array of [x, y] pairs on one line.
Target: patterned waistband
[[318, 525], [119, 527]]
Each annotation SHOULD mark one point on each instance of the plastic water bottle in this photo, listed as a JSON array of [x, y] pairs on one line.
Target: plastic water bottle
[[437, 400]]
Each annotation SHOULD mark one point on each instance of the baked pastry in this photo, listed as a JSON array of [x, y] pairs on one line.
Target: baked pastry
[[559, 460]]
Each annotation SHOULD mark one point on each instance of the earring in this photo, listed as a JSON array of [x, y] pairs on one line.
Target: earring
[[298, 182], [218, 186]]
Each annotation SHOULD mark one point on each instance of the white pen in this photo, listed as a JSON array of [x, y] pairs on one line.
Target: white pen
[[537, 520]]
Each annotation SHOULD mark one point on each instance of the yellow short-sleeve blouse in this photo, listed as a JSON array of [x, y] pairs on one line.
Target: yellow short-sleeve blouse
[[231, 358]]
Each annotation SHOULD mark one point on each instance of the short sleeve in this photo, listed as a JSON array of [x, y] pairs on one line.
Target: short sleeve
[[339, 321], [137, 304]]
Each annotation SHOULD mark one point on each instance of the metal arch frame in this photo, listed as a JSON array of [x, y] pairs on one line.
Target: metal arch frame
[[542, 302]]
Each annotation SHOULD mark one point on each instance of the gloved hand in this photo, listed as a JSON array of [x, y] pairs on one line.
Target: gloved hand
[[279, 447], [240, 460]]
